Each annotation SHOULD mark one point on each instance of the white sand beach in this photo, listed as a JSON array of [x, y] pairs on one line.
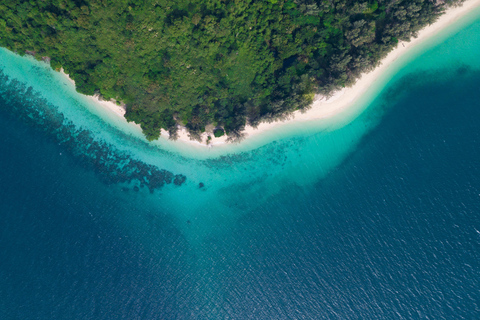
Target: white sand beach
[[342, 99]]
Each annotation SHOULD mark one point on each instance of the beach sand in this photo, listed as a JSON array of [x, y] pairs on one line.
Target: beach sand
[[340, 101]]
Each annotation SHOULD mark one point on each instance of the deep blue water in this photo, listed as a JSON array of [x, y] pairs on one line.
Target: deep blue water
[[392, 232]]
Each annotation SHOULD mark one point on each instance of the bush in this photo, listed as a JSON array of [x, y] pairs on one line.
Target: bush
[[218, 132]]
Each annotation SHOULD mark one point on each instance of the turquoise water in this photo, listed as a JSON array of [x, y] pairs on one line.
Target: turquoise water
[[373, 214]]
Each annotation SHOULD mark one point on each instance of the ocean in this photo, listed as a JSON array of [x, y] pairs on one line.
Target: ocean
[[374, 214]]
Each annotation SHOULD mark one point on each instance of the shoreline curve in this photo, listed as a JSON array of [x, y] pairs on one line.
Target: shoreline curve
[[321, 108]]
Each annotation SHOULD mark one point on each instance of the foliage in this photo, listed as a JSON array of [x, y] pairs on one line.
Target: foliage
[[218, 133], [221, 62]]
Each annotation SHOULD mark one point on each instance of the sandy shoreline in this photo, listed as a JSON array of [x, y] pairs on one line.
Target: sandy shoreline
[[342, 99]]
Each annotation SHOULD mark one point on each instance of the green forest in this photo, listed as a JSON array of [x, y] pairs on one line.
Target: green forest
[[226, 63]]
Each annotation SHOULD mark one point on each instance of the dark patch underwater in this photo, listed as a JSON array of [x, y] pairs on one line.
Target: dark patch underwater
[[111, 165]]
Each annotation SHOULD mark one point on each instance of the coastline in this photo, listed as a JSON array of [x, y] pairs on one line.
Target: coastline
[[340, 102]]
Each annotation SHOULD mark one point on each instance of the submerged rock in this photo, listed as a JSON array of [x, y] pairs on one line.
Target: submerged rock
[[179, 179]]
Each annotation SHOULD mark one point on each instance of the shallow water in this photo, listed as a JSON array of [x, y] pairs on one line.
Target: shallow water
[[374, 214]]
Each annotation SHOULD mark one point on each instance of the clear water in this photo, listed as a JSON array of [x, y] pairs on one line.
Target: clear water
[[374, 214]]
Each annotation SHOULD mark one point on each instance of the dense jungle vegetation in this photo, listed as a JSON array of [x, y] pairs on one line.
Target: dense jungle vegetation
[[222, 62]]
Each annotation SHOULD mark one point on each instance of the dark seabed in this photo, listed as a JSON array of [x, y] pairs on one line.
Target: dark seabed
[[391, 232]]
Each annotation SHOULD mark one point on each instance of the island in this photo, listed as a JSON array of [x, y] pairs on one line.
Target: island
[[212, 66]]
